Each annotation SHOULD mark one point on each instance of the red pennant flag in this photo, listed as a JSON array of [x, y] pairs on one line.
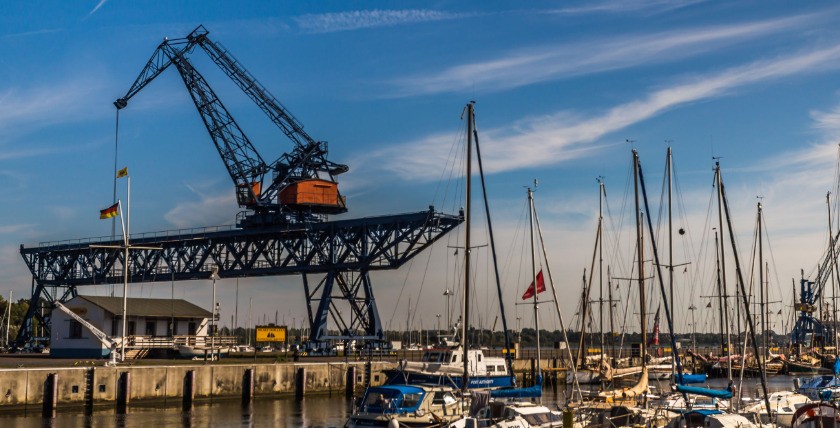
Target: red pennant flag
[[654, 340], [540, 287]]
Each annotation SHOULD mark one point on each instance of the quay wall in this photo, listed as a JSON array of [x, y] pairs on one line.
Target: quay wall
[[31, 388]]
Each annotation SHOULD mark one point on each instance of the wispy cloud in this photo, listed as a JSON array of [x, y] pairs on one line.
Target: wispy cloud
[[613, 6], [534, 65], [30, 33], [359, 19], [21, 107], [97, 7], [209, 209], [564, 135]]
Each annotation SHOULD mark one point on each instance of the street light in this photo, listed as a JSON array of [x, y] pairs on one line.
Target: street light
[[438, 323], [519, 329], [214, 275]]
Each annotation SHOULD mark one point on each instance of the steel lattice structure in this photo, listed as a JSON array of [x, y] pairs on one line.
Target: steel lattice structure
[[343, 251]]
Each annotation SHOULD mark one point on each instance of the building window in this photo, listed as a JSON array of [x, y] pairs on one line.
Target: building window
[[131, 328], [75, 330], [191, 329], [114, 327]]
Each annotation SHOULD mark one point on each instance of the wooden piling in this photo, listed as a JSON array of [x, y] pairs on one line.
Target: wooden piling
[[300, 383], [89, 385], [123, 392], [533, 372], [350, 383], [189, 390], [247, 386], [50, 395]]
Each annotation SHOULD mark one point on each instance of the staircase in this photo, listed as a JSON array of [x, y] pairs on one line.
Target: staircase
[[136, 354]]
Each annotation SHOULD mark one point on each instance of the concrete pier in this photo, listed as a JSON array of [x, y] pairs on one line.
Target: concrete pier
[[50, 389]]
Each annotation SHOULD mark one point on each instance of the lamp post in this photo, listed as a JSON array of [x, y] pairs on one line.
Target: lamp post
[[693, 308], [214, 275], [438, 323], [519, 329], [446, 294]]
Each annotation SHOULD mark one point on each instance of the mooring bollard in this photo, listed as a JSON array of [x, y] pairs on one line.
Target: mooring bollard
[[123, 392], [350, 384], [189, 390], [300, 383], [50, 395], [247, 386]]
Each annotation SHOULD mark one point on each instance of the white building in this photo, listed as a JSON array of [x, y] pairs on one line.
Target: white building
[[152, 324]]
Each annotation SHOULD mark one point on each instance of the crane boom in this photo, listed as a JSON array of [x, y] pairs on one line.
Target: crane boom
[[301, 186], [110, 343]]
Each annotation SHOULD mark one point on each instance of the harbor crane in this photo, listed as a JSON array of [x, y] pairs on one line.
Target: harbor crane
[[284, 230], [299, 186]]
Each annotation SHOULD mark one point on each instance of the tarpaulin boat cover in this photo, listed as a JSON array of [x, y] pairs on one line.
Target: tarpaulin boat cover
[[531, 391], [706, 392], [686, 378]]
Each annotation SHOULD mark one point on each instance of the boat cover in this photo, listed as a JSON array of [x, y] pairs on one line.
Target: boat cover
[[531, 391], [706, 392], [690, 378]]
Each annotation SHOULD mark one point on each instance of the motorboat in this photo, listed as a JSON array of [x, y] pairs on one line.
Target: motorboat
[[445, 366], [408, 405]]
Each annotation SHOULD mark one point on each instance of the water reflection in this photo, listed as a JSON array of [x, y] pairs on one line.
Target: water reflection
[[313, 411]]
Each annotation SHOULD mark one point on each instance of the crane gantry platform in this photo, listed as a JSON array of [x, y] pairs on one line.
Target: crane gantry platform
[[342, 253], [284, 229]]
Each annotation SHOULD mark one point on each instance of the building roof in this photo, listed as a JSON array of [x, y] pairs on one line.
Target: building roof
[[168, 308]]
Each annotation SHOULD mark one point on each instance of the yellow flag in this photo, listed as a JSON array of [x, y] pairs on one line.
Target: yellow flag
[[122, 173]]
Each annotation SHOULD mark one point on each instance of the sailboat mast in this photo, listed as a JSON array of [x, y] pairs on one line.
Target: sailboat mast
[[640, 256], [670, 233], [761, 283], [534, 276], [671, 245], [740, 284], [832, 269], [724, 295], [612, 326], [465, 381], [720, 293], [601, 263]]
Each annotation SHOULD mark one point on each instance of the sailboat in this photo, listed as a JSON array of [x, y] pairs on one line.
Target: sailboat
[[520, 411], [446, 399], [451, 363]]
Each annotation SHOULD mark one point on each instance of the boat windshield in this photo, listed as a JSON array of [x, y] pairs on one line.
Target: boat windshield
[[537, 419], [387, 400], [435, 357]]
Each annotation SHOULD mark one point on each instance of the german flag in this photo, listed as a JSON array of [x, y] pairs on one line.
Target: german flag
[[109, 212]]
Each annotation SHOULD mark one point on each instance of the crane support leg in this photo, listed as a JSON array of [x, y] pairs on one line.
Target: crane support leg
[[355, 289], [40, 306], [318, 328]]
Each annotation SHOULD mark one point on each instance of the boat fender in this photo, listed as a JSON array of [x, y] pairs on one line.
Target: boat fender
[[796, 383], [393, 423]]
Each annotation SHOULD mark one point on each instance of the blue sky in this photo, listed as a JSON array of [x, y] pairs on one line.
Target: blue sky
[[559, 86]]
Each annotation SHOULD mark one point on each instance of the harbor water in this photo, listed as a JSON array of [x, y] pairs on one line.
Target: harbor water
[[312, 411]]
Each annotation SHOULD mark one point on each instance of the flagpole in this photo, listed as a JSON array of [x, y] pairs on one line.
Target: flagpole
[[125, 283], [116, 151]]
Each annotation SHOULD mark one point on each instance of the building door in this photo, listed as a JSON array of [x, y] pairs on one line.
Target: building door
[[132, 328], [150, 328], [191, 328]]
